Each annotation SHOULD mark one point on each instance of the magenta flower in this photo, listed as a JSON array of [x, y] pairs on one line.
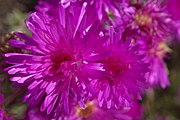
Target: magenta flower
[[151, 18], [150, 28], [94, 112], [58, 67], [125, 71], [158, 74], [155, 52]]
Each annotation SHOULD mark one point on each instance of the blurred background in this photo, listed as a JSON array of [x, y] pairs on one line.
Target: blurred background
[[158, 104]]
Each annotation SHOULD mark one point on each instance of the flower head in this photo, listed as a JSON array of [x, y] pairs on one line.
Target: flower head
[[156, 52], [151, 18], [125, 71], [150, 28], [56, 69]]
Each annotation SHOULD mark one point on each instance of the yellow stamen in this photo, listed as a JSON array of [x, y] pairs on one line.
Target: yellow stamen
[[142, 19], [164, 47], [160, 50], [87, 111]]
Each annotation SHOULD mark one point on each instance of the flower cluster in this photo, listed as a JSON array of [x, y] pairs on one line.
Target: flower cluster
[[91, 59]]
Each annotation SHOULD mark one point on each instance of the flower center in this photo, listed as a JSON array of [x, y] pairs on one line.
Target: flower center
[[58, 59], [142, 19], [84, 113], [115, 66]]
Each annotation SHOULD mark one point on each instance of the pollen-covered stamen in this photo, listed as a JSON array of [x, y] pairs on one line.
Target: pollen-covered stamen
[[161, 50], [142, 19], [84, 113], [58, 58]]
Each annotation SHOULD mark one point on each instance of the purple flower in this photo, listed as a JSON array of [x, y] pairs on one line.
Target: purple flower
[[62, 58], [152, 18], [155, 52], [94, 112], [158, 74], [150, 28], [125, 71]]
